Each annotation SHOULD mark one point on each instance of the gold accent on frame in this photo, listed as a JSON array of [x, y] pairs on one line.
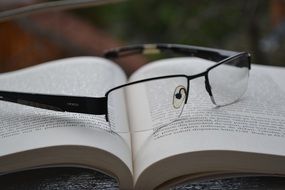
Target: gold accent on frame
[[150, 49]]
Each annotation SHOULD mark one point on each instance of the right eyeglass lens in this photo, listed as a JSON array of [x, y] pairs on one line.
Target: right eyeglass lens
[[151, 104], [229, 80]]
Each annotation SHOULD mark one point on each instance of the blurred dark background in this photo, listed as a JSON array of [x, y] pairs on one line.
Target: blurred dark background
[[256, 26]]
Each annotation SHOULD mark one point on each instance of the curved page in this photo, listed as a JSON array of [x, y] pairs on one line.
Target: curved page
[[24, 128], [255, 125]]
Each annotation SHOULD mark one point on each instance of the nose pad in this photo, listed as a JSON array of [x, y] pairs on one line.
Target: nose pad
[[179, 96]]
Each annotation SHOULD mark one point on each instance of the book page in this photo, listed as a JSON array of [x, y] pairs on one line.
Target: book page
[[25, 128], [256, 123]]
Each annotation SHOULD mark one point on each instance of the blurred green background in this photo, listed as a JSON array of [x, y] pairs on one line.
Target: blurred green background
[[235, 25]]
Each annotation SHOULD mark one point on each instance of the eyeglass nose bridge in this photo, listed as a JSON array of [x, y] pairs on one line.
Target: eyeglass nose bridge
[[207, 85]]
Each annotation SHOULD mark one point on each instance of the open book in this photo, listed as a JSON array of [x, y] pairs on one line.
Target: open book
[[246, 137]]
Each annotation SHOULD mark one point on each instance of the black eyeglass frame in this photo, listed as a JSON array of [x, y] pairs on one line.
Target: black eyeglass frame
[[99, 105]]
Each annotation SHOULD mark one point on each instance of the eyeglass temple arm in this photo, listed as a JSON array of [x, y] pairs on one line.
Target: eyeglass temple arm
[[88, 105], [193, 51]]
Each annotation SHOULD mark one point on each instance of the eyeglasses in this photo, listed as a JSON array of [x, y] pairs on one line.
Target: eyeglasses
[[163, 96]]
